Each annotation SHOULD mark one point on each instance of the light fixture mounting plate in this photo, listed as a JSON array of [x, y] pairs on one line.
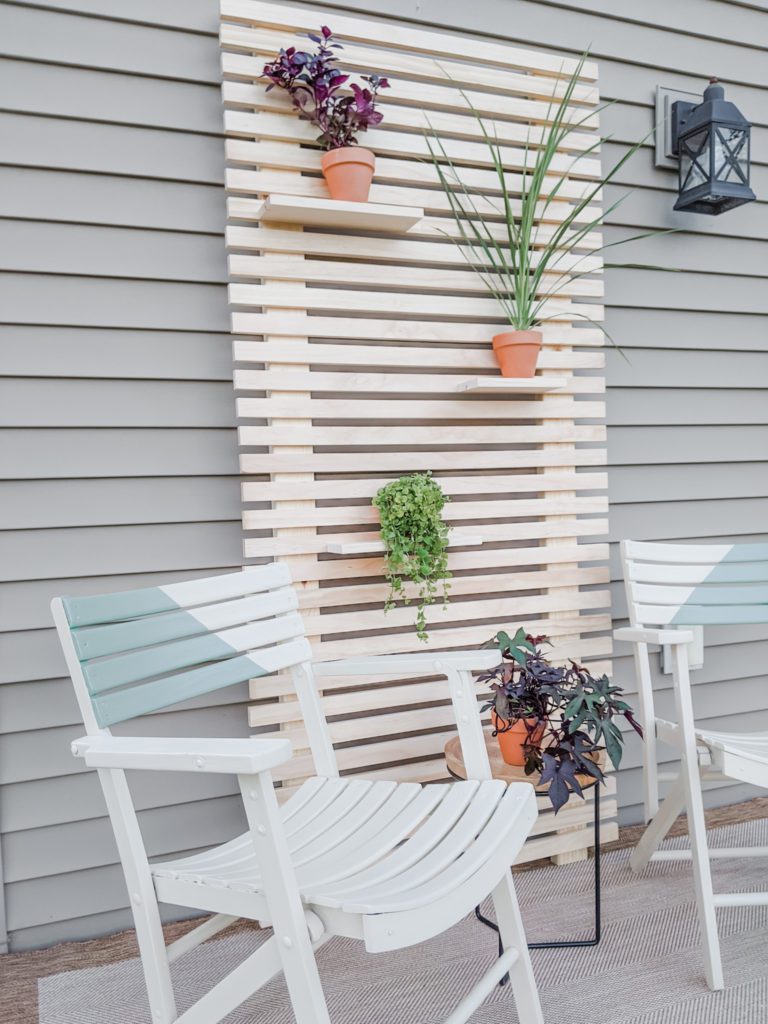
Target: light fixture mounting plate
[[665, 97]]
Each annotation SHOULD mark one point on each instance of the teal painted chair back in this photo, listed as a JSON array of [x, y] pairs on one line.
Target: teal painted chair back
[[139, 651], [696, 584]]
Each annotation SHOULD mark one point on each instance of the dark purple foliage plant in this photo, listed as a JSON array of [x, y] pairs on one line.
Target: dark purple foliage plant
[[576, 709], [314, 82]]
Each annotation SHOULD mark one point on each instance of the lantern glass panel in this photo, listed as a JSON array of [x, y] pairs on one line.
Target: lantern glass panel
[[731, 155], [694, 160]]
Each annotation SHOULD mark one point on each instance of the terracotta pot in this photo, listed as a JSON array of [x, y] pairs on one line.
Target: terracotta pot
[[516, 352], [348, 173], [511, 741]]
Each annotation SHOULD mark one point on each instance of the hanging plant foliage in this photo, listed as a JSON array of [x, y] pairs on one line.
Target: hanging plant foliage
[[416, 541]]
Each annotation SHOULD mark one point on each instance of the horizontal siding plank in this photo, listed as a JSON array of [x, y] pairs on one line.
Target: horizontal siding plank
[[89, 302], [51, 351], [639, 484], [51, 402], [679, 406], [45, 554], [41, 504], [58, 195], [671, 445], [65, 454], [41, 248], [50, 142]]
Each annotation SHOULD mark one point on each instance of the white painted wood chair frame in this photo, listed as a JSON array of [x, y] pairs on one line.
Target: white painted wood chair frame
[[670, 586], [390, 864]]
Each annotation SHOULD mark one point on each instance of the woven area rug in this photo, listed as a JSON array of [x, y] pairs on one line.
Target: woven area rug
[[647, 969]]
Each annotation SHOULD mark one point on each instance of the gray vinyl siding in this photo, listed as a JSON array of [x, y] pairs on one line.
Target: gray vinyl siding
[[119, 452]]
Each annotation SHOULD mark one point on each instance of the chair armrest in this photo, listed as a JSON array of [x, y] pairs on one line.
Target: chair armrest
[[410, 664], [662, 637], [230, 756]]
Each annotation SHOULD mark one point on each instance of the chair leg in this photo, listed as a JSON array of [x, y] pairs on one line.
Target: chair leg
[[702, 876], [512, 936], [659, 825]]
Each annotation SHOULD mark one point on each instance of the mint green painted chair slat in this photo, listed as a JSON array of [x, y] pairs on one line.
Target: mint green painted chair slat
[[702, 615], [691, 574], [131, 604], [115, 638], [690, 554], [161, 693], [705, 594], [154, 661]]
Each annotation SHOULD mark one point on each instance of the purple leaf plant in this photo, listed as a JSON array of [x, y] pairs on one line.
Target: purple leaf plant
[[314, 82]]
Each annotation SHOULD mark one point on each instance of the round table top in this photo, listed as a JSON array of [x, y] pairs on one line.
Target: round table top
[[499, 768]]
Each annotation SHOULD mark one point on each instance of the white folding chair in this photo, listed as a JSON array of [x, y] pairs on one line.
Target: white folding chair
[[391, 864], [677, 585]]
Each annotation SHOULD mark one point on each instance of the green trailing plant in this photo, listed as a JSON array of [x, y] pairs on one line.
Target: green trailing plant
[[521, 267], [416, 541], [569, 714]]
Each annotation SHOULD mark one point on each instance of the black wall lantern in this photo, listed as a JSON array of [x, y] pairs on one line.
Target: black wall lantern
[[711, 140]]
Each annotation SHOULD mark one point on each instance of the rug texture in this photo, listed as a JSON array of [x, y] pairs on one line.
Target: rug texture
[[647, 969]]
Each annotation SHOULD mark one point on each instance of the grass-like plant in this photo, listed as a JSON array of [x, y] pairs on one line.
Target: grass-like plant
[[524, 270], [416, 541]]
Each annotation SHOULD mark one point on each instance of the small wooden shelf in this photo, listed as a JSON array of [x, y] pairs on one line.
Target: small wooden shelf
[[337, 214], [511, 385], [456, 539]]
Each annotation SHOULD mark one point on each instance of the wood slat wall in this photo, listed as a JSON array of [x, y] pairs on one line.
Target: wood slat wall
[[349, 345]]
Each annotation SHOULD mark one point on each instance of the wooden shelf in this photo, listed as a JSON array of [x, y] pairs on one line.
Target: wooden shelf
[[337, 214], [511, 385], [456, 539]]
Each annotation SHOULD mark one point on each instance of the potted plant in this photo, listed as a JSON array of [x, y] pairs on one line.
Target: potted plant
[[415, 540], [551, 719], [519, 267], [314, 82]]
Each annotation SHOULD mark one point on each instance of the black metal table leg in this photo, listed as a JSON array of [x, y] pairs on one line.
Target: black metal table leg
[[565, 943]]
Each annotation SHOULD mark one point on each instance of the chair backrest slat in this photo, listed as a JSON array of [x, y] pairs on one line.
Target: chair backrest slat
[[100, 641], [121, 705], [110, 673], [696, 584]]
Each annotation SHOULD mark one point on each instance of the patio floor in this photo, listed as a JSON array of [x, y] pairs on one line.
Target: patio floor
[[674, 963]]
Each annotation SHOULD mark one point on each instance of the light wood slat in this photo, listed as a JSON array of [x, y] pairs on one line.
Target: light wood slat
[[412, 409], [374, 593], [427, 231], [391, 643], [266, 690], [459, 76], [460, 611], [274, 158], [416, 435], [405, 37], [439, 338], [502, 483], [397, 249], [430, 280], [287, 295], [406, 462], [267, 519], [495, 558], [392, 146], [400, 384], [283, 546], [245, 94]]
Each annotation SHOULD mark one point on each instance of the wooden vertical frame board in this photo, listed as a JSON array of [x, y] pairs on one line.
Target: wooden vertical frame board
[[356, 332]]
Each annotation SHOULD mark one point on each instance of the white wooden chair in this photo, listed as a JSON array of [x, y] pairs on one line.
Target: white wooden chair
[[669, 586], [391, 864]]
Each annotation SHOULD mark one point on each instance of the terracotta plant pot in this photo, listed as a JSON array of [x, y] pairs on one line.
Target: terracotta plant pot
[[511, 741], [348, 173], [516, 352]]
